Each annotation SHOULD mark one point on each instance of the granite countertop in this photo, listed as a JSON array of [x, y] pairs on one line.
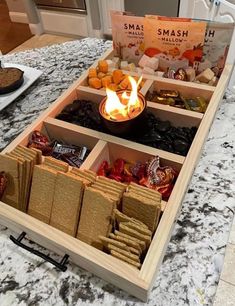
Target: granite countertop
[[191, 267]]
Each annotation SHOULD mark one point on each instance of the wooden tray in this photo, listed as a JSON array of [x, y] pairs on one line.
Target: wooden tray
[[104, 146]]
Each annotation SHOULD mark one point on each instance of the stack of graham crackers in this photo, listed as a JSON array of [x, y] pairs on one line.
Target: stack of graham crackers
[[18, 166], [142, 204], [56, 194], [99, 202], [130, 239]]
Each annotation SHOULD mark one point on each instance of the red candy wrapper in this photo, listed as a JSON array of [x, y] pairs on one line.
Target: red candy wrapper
[[3, 183], [41, 142], [159, 178], [103, 169], [150, 174]]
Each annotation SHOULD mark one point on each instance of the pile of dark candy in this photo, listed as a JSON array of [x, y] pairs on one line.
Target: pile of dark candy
[[158, 134]]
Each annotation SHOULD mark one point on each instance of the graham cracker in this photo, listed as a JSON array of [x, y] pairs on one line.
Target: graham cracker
[[130, 243], [95, 219], [120, 217], [145, 189], [141, 208], [24, 172], [123, 252], [56, 164], [111, 182], [31, 158], [66, 203], [126, 230], [90, 172], [42, 193], [108, 187], [141, 243], [26, 152], [106, 241], [108, 191], [126, 259], [86, 182], [84, 174], [12, 192], [135, 190], [138, 228], [39, 155]]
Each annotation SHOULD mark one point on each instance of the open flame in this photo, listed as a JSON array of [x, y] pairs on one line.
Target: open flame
[[125, 106]]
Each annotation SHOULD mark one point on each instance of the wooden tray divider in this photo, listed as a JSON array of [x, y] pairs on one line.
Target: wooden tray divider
[[146, 86], [166, 157], [197, 117]]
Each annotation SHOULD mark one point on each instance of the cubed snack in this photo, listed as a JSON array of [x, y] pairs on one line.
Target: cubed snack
[[103, 66], [95, 83]]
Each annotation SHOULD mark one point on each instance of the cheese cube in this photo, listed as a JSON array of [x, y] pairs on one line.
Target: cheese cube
[[116, 61], [213, 81], [205, 76], [143, 61], [153, 63], [131, 67], [139, 70], [124, 65], [148, 70], [110, 63]]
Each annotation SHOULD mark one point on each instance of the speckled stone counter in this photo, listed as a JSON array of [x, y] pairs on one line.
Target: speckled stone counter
[[191, 267]]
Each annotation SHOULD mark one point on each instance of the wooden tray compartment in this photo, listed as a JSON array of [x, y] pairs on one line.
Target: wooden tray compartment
[[137, 283], [187, 90], [177, 118]]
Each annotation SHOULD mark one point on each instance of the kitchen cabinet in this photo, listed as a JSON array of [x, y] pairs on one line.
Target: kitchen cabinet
[[105, 7], [215, 10]]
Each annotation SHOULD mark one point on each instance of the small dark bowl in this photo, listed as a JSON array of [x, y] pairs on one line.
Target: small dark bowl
[[126, 127]]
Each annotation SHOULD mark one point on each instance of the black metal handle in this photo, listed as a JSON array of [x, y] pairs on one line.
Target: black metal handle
[[62, 265]]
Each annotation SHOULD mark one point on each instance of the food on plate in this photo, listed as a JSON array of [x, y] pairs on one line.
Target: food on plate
[[10, 79]]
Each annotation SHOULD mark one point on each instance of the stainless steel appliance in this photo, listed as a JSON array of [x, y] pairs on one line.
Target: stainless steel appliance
[[152, 7], [74, 6]]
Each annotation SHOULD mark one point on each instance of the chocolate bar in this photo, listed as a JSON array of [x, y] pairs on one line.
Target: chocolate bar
[[71, 154]]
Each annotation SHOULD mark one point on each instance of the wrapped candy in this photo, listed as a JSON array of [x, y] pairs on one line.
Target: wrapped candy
[[103, 169], [150, 174], [180, 74], [159, 178], [41, 142]]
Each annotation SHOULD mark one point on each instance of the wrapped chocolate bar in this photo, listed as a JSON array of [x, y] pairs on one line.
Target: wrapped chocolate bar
[[197, 104], [3, 183], [166, 93], [163, 100], [71, 154]]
